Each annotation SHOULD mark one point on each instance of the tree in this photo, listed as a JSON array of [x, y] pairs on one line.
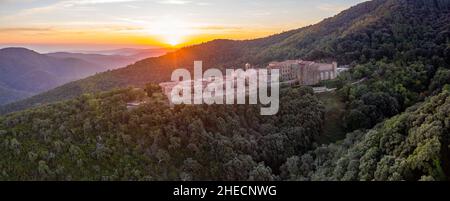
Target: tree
[[151, 89], [261, 173], [441, 78]]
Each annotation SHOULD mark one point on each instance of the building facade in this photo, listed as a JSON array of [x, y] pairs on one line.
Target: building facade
[[305, 72], [291, 72]]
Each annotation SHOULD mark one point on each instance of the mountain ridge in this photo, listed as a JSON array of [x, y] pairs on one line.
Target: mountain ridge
[[358, 34], [24, 70], [27, 72]]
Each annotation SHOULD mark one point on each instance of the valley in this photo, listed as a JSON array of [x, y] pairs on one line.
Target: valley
[[26, 72]]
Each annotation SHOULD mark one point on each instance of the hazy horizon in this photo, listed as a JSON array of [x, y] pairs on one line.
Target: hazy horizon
[[78, 48]]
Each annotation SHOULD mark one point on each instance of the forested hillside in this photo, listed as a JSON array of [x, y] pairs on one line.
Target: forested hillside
[[411, 146], [25, 72], [95, 137], [402, 31], [8, 95], [98, 138]]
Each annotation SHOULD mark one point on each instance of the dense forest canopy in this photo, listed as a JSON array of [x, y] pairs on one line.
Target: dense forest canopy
[[95, 137], [396, 97], [411, 146]]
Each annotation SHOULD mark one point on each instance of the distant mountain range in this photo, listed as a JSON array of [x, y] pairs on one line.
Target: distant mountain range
[[136, 52], [25, 72], [111, 59]]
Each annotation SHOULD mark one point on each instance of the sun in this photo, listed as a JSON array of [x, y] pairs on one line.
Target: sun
[[173, 40], [171, 31]]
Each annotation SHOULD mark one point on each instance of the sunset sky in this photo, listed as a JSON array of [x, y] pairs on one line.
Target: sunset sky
[[50, 25]]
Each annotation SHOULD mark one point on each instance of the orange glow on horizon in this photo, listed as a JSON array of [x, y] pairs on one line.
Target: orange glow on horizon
[[170, 34], [167, 32], [162, 23]]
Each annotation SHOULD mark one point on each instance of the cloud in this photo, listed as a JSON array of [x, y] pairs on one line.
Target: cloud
[[61, 5], [218, 27], [203, 3], [175, 2], [15, 1], [24, 29], [261, 13], [83, 2]]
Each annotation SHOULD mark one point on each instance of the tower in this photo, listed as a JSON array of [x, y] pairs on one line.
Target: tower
[[335, 65]]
